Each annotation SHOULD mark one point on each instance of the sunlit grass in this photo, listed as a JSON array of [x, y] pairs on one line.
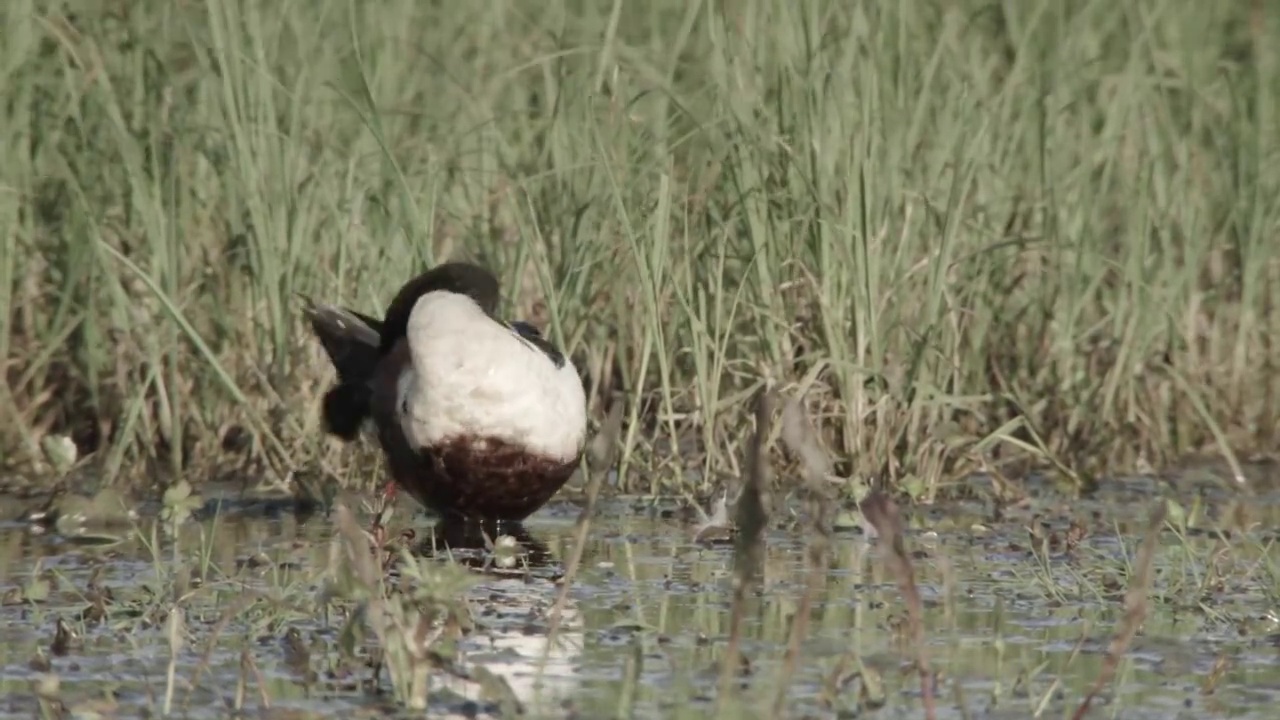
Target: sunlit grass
[[973, 232]]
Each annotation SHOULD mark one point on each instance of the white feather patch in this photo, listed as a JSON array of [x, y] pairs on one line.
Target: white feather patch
[[473, 377]]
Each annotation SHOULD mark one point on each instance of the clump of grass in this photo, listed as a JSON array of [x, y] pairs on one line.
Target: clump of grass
[[413, 626], [975, 232]]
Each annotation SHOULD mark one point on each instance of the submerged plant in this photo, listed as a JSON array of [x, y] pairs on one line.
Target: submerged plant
[[414, 623]]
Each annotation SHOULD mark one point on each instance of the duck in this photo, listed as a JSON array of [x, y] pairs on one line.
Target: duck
[[477, 418]]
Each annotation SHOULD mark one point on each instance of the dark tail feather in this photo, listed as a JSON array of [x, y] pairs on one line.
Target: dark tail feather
[[351, 340], [346, 407]]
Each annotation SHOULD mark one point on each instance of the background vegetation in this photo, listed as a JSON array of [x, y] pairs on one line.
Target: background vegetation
[[972, 232]]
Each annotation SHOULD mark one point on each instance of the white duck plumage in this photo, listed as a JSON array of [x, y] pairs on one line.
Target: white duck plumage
[[472, 376]]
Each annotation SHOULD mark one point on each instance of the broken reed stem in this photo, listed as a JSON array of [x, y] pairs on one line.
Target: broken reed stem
[[582, 527], [799, 437], [608, 436], [1135, 607], [882, 512], [176, 630], [248, 666], [751, 519], [229, 614]]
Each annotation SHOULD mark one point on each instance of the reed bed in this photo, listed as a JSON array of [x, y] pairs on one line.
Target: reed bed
[[972, 235]]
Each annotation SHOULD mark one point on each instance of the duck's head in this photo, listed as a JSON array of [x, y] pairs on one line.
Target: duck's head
[[458, 278]]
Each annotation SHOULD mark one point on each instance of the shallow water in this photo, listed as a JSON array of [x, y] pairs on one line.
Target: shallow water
[[1010, 632]]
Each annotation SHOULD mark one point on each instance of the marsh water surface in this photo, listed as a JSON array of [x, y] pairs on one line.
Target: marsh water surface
[[1018, 623]]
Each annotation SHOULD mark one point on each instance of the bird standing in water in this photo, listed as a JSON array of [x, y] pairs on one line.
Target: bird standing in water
[[477, 418]]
